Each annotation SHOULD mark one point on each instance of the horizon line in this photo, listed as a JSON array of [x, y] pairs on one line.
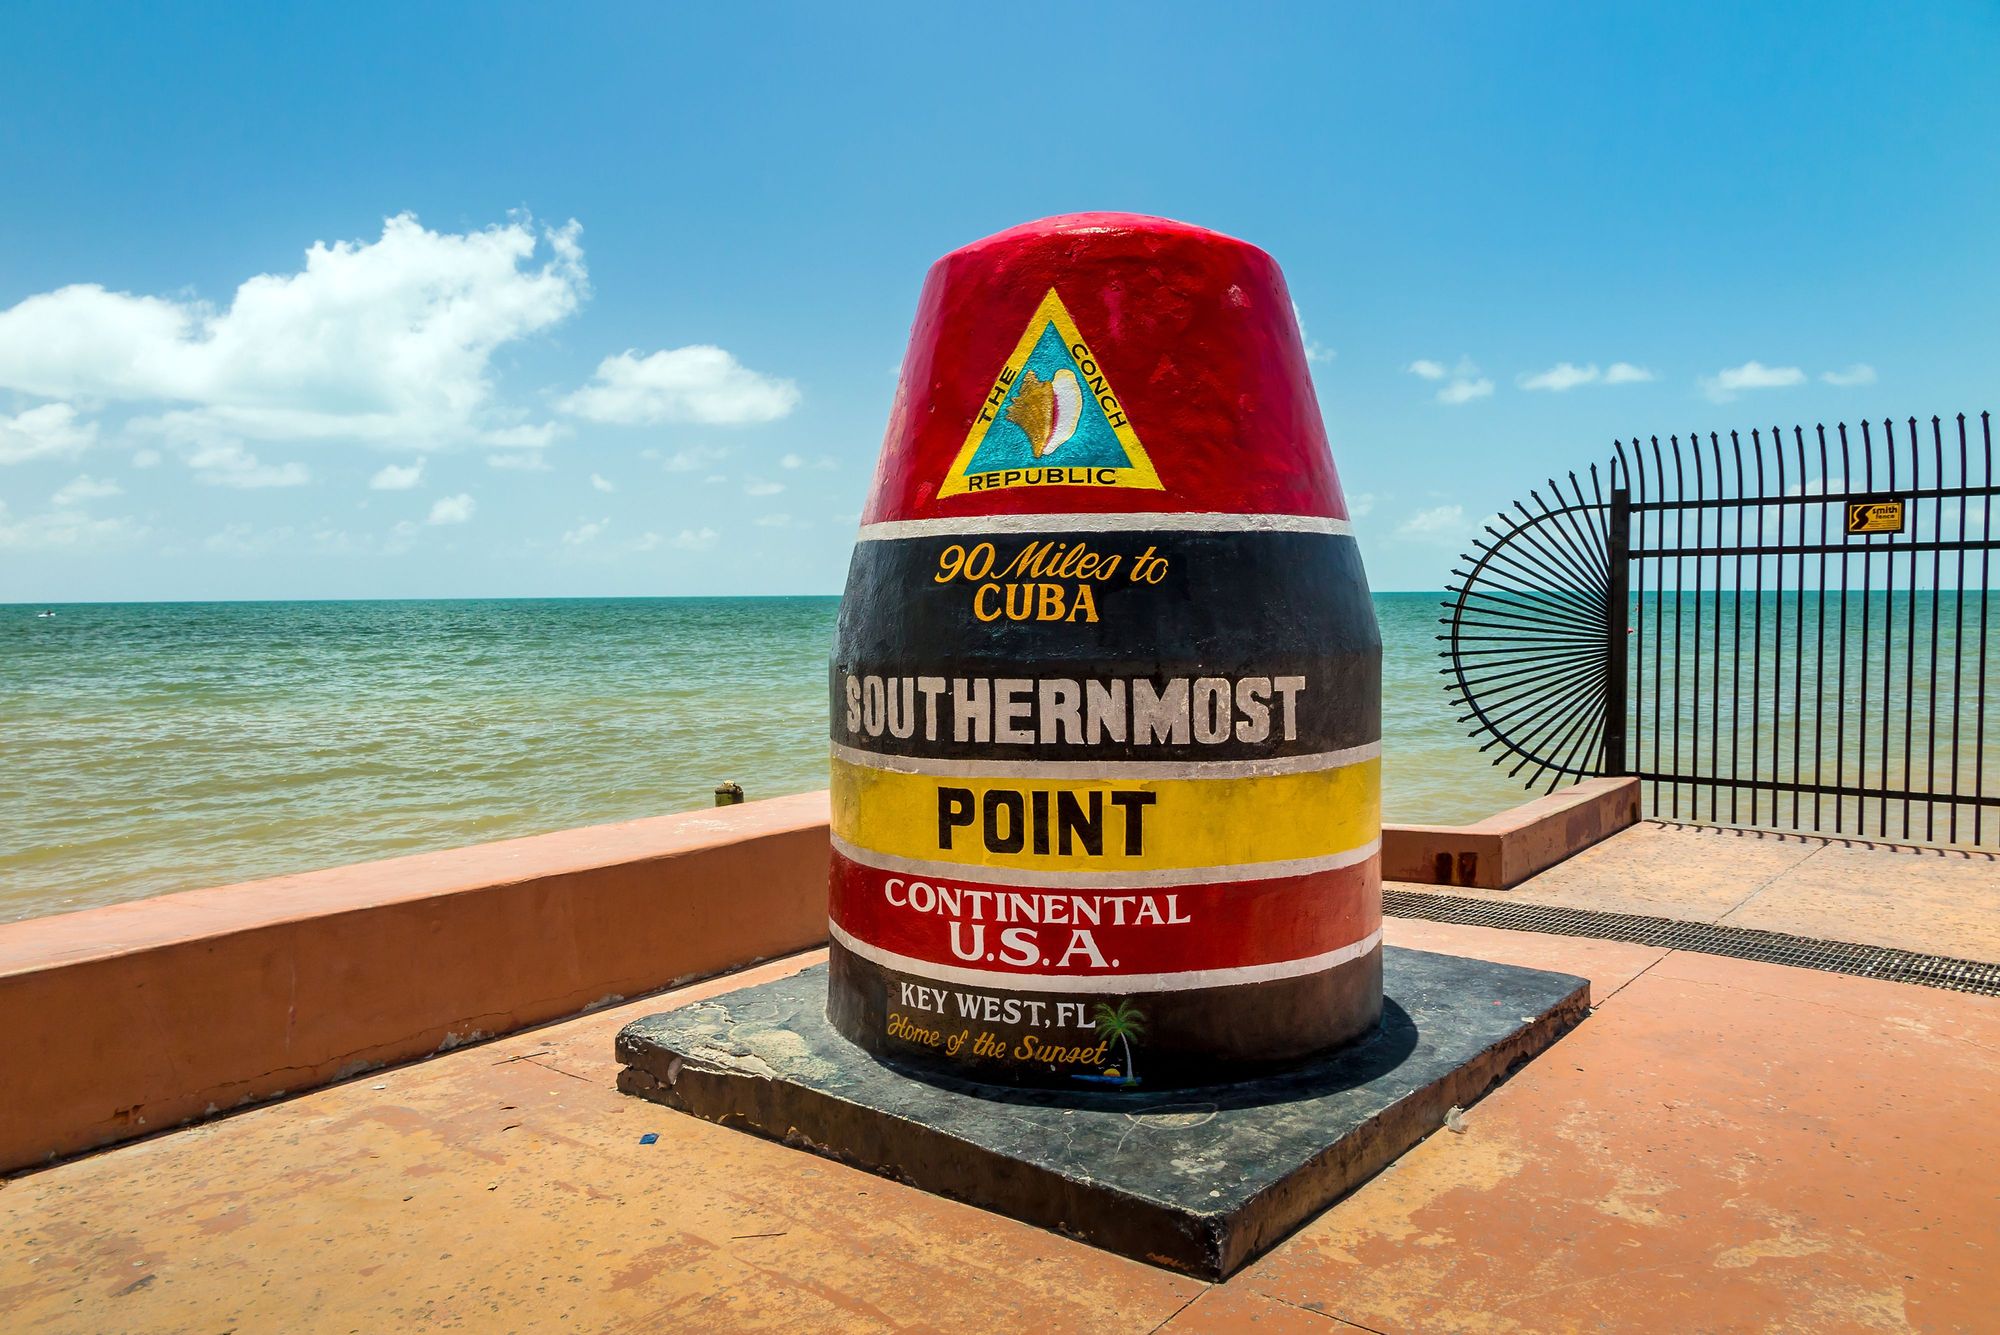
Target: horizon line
[[475, 598]]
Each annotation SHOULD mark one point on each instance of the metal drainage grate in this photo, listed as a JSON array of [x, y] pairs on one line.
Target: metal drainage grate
[[1743, 943]]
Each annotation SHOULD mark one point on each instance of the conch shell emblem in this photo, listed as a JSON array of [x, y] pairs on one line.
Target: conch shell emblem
[[1047, 411]]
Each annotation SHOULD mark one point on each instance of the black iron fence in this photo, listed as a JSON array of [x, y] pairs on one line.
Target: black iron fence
[[1786, 629]]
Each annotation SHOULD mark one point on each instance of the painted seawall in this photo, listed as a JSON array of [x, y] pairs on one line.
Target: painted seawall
[[1503, 850], [139, 1017]]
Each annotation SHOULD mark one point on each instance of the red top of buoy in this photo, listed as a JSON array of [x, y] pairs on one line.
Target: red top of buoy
[[1104, 363]]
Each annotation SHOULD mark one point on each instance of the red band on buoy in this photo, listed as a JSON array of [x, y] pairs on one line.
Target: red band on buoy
[[1250, 929]]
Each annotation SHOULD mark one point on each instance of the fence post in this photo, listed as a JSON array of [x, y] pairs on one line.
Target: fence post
[[1617, 612]]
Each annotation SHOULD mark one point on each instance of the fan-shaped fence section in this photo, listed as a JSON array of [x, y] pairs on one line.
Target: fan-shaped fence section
[[1786, 629]]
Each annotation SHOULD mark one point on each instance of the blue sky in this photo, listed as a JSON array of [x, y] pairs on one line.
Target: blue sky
[[362, 301]]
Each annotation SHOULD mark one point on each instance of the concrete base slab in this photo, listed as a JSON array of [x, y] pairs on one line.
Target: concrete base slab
[[1200, 1181]]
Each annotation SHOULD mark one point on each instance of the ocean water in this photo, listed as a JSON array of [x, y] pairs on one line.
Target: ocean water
[[152, 747]]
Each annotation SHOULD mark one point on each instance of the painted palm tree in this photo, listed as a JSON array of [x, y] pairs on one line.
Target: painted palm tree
[[1124, 1023]]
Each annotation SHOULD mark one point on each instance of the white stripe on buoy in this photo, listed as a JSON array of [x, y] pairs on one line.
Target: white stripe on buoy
[[1182, 981], [1106, 523], [1109, 769], [1105, 880]]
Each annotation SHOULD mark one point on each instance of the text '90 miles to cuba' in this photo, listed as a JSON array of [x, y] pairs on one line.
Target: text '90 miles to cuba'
[[1043, 580]]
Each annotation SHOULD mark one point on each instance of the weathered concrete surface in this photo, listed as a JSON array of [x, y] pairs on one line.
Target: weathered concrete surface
[[1937, 901], [1609, 965], [1199, 1180], [504, 1188], [137, 1017], [1723, 1146]]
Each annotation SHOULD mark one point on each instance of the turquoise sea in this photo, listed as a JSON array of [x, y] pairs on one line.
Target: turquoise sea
[[151, 747]]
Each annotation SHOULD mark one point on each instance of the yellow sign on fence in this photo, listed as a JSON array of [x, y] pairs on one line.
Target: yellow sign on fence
[[1874, 516]]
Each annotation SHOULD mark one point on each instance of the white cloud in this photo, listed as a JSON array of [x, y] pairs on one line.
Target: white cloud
[[695, 458], [760, 487], [1360, 506], [83, 488], [645, 542], [64, 530], [773, 521], [387, 341], [1438, 521], [243, 539], [599, 481], [146, 459], [1861, 373], [792, 461], [50, 431], [695, 540], [1466, 382], [327, 540], [1561, 376], [1726, 385], [520, 461], [1567, 375], [586, 532], [693, 384], [527, 435], [229, 465], [397, 477], [452, 509], [1314, 351]]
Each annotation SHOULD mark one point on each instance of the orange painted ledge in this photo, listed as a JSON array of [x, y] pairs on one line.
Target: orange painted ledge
[[139, 1017], [1502, 851]]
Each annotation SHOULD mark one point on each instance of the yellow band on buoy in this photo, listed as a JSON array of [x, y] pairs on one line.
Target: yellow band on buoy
[[1080, 824]]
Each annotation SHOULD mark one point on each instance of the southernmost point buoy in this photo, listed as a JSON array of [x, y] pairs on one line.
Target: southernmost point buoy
[[1106, 691]]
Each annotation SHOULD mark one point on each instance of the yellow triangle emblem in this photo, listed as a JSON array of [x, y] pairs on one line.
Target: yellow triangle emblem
[[1051, 418]]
